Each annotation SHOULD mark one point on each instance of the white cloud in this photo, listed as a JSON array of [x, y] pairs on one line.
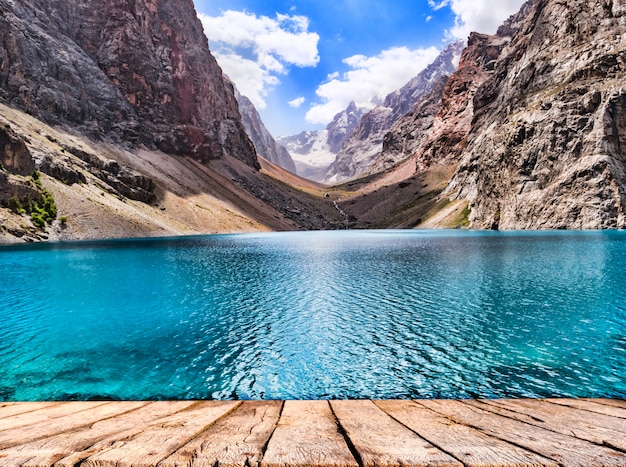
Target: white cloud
[[428, 18], [296, 103], [438, 5], [477, 15], [368, 77], [252, 50]]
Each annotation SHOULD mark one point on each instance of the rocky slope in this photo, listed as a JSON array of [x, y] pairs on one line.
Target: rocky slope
[[366, 141], [138, 72], [133, 125], [315, 151], [264, 143], [547, 144]]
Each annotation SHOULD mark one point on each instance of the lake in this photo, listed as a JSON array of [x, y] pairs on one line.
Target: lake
[[310, 315]]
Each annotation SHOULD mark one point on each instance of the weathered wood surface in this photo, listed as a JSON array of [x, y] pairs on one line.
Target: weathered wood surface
[[383, 442], [307, 434], [472, 447], [472, 433]]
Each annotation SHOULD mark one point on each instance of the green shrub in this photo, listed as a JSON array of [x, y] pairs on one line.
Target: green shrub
[[63, 220], [38, 220], [15, 205]]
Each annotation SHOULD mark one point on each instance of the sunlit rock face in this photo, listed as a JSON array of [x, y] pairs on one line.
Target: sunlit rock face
[[546, 147], [138, 72]]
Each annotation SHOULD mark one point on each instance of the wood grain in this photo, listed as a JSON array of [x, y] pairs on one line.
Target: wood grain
[[83, 442], [73, 417], [597, 428], [158, 440], [611, 402], [9, 409], [470, 446], [234, 441], [307, 435], [31, 417], [591, 406], [382, 441], [565, 450]]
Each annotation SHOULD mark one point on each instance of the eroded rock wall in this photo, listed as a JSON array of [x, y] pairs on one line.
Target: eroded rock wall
[[546, 149], [135, 71]]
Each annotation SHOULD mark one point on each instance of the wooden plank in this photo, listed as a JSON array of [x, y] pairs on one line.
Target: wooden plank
[[594, 427], [612, 402], [84, 441], [15, 408], [591, 406], [234, 441], [382, 441], [565, 450], [158, 440], [77, 415], [470, 446], [44, 416], [307, 435]]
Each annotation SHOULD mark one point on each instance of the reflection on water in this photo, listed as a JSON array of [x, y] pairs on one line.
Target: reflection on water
[[362, 314]]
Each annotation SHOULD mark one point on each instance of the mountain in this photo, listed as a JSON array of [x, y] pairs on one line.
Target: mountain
[[436, 129], [366, 141], [117, 121], [314, 151], [138, 72], [547, 143], [264, 143]]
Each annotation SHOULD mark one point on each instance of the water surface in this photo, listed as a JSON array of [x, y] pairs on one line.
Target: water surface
[[361, 314]]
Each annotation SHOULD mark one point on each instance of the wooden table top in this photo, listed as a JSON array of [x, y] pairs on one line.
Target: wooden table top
[[398, 433]]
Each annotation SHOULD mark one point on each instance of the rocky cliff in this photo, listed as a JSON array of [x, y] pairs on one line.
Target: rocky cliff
[[115, 114], [137, 72], [264, 143], [436, 130], [547, 143], [366, 141]]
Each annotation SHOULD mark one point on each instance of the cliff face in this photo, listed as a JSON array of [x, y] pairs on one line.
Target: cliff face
[[366, 141], [264, 143], [436, 130], [547, 144], [135, 71]]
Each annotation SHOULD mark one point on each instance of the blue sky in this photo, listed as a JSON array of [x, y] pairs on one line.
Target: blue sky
[[301, 62]]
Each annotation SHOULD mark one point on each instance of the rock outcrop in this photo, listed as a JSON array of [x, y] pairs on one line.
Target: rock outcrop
[[264, 143], [137, 72], [547, 144], [366, 141]]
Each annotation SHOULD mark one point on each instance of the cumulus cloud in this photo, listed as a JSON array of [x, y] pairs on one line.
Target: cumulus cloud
[[477, 15], [296, 103], [368, 77], [254, 50]]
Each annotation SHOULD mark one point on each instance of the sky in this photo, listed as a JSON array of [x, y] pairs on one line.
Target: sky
[[302, 62]]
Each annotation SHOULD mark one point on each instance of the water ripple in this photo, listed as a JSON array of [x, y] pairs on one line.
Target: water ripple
[[316, 315]]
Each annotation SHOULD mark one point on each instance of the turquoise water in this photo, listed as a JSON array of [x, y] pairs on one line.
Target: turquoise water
[[361, 314]]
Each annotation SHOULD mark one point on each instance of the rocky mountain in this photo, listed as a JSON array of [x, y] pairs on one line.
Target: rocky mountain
[[138, 72], [315, 151], [437, 127], [547, 143], [366, 141], [264, 143], [129, 128]]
